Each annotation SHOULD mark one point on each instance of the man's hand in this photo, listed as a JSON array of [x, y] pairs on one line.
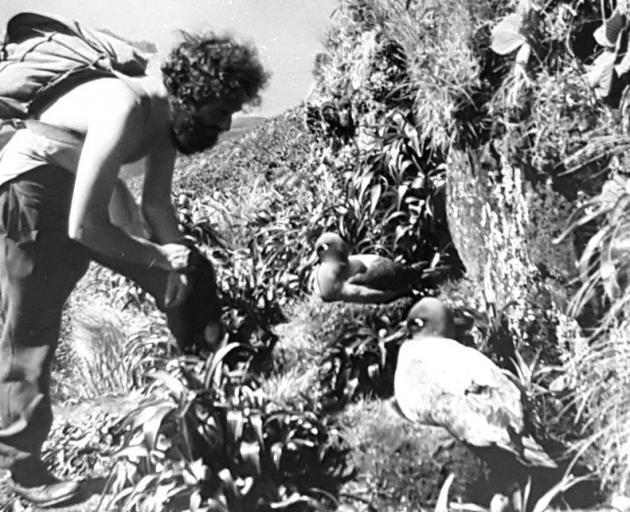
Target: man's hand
[[177, 255], [177, 290]]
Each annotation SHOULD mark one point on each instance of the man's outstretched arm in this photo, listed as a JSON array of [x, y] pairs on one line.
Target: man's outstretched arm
[[157, 206], [111, 135]]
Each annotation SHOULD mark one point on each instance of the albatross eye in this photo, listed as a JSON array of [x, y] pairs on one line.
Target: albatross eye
[[415, 324]]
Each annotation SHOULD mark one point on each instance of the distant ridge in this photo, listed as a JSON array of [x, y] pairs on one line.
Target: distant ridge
[[241, 125]]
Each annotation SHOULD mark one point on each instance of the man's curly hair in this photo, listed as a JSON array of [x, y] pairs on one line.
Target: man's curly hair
[[214, 67]]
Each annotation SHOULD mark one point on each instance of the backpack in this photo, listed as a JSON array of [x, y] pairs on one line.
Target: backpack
[[43, 57]]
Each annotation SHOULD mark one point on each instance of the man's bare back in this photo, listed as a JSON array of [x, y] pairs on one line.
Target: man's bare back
[[119, 127]]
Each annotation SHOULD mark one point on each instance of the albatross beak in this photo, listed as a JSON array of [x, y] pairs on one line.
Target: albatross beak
[[396, 336], [312, 260]]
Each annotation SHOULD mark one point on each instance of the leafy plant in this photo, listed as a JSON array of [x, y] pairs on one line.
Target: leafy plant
[[211, 439], [604, 261], [609, 75], [517, 32], [103, 356], [361, 359], [392, 199]]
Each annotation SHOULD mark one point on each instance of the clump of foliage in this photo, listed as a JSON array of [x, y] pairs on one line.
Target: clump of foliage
[[392, 179], [259, 233], [84, 448], [111, 335], [360, 359], [208, 437]]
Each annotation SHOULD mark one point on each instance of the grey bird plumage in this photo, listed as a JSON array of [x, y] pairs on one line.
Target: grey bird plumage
[[439, 381]]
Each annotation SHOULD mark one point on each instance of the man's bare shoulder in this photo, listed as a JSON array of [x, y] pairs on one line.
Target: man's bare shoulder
[[96, 99]]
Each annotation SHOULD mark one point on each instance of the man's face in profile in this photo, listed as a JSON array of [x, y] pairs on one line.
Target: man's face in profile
[[195, 131]]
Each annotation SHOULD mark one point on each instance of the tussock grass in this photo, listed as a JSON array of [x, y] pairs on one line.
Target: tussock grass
[[106, 351], [306, 341], [601, 372], [98, 340], [442, 70]]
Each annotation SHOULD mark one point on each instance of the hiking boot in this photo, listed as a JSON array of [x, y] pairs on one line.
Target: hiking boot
[[31, 481]]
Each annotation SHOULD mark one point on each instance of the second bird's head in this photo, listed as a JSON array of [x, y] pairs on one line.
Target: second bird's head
[[431, 317], [330, 246]]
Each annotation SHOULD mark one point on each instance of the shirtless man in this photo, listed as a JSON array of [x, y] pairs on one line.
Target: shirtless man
[[54, 218]]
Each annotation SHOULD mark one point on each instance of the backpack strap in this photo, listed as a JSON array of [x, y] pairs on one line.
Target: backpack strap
[[51, 131], [47, 130]]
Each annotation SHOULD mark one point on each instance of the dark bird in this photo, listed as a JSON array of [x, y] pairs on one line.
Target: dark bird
[[439, 381], [368, 278]]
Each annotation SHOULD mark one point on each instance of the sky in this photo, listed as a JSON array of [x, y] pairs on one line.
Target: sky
[[288, 33]]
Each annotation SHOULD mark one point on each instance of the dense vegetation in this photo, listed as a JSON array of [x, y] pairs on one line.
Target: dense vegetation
[[485, 137]]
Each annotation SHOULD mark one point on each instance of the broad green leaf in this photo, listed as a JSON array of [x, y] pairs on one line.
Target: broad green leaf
[[145, 482], [601, 74], [152, 425], [133, 453], [176, 387], [375, 196], [217, 359], [121, 496], [276, 453], [373, 371], [364, 182], [507, 35], [523, 54], [199, 470], [620, 210], [418, 182], [250, 455], [414, 139], [606, 35], [594, 245], [623, 67], [256, 423], [195, 501], [235, 423], [229, 489], [442, 501], [585, 213]]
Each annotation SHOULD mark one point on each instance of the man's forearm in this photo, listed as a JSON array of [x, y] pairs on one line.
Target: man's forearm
[[113, 242], [163, 224]]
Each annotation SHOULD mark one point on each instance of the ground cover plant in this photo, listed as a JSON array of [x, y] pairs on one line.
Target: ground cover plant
[[486, 138]]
